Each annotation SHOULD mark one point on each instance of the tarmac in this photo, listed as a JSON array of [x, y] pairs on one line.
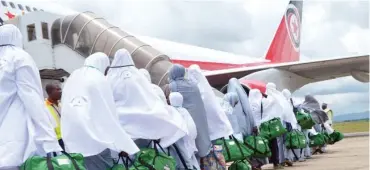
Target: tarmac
[[352, 153]]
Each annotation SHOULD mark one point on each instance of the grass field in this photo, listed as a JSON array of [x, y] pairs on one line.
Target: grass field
[[349, 127]]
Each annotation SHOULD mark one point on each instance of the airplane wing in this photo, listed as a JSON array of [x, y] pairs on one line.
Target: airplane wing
[[313, 71]]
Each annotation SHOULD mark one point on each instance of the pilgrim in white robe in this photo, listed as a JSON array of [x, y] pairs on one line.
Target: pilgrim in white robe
[[218, 123], [140, 111], [25, 127], [272, 108], [186, 145], [194, 104], [156, 88], [89, 123], [228, 103]]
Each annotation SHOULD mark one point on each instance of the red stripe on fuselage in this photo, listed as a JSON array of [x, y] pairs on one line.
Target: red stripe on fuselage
[[215, 66]]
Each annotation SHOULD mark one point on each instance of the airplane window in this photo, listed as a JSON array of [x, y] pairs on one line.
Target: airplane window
[[20, 7], [28, 8], [35, 9], [31, 32], [4, 3], [12, 4], [45, 30]]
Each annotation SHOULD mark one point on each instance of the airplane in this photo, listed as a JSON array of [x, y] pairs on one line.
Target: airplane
[[281, 64]]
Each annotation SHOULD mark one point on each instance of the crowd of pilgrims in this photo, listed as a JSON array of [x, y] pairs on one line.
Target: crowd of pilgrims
[[111, 110]]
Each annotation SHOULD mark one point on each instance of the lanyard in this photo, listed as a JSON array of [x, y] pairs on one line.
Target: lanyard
[[56, 109]]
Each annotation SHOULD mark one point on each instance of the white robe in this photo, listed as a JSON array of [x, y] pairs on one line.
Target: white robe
[[24, 121], [156, 88], [186, 144], [218, 123], [89, 123], [255, 101], [287, 114], [270, 107], [140, 111]]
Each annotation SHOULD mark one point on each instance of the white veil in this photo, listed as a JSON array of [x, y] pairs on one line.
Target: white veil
[[271, 105], [218, 123], [89, 123], [141, 112]]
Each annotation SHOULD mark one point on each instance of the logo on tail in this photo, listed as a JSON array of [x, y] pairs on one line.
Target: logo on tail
[[293, 24], [285, 46]]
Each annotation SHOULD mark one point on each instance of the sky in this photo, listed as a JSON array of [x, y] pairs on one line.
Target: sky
[[330, 29]]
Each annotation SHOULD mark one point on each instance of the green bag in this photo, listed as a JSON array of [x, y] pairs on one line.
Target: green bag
[[272, 129], [233, 150], [259, 146], [317, 140], [305, 120], [335, 137], [73, 161], [240, 165], [295, 140], [151, 158], [327, 138]]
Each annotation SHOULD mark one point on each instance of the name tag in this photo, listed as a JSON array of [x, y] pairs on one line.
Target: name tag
[[166, 167], [231, 143], [217, 147], [63, 161]]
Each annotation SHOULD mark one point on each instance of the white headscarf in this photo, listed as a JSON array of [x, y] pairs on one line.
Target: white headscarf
[[218, 123], [229, 101], [287, 109], [255, 101], [156, 88], [290, 116], [141, 112], [287, 94], [176, 100], [24, 120], [89, 122], [271, 105]]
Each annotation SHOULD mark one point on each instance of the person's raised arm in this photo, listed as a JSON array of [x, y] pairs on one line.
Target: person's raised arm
[[30, 92]]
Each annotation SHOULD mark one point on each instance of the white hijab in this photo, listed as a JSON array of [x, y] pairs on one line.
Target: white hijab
[[176, 101], [141, 112], [156, 88], [255, 101], [290, 116], [89, 122], [24, 120], [218, 123], [271, 105]]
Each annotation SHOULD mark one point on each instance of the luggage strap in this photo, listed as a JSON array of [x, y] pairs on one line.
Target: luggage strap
[[261, 109], [295, 155], [125, 162], [180, 156]]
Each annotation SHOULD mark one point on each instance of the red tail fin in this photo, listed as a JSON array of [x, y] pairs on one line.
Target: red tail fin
[[285, 45]]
